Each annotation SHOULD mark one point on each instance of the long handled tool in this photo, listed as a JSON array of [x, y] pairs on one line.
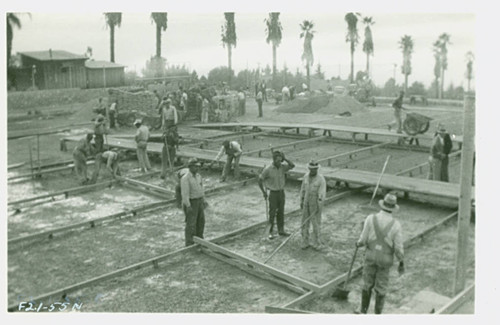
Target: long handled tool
[[342, 293], [168, 155], [286, 240], [268, 226], [369, 206]]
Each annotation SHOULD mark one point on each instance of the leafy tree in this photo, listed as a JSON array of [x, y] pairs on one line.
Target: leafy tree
[[160, 19], [390, 88], [219, 74], [307, 54], [368, 42], [229, 40], [469, 57], [442, 46], [406, 44], [113, 19], [319, 73], [274, 34], [13, 21], [417, 88], [437, 66], [352, 38], [156, 67]]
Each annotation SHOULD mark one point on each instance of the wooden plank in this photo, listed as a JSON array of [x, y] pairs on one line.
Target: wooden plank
[[84, 188], [285, 145], [144, 184], [254, 272], [47, 171], [283, 310], [145, 190], [380, 145], [20, 135], [300, 300], [467, 294], [266, 268]]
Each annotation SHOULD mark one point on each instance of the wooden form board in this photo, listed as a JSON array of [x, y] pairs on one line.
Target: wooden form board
[[467, 294], [316, 126]]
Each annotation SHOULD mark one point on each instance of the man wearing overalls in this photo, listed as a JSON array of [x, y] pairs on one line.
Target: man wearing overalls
[[383, 238]]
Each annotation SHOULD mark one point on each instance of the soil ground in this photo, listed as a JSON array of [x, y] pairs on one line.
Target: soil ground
[[216, 286]]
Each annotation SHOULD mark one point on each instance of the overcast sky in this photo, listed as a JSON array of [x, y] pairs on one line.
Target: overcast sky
[[194, 39]]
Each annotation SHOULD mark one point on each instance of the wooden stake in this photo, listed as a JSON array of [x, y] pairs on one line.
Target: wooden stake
[[464, 201], [31, 159]]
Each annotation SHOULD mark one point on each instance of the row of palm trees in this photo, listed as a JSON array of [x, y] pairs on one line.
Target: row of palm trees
[[274, 32]]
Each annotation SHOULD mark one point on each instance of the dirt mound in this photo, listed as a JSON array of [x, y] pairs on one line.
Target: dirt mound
[[322, 104]]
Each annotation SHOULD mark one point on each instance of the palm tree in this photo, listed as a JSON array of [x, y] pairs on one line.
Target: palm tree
[[113, 19], [229, 39], [469, 57], [437, 65], [307, 55], [406, 44], [443, 41], [12, 21], [160, 19], [368, 43], [274, 29], [352, 37]]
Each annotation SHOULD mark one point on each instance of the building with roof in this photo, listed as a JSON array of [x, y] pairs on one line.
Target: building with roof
[[55, 69], [52, 69], [102, 74]]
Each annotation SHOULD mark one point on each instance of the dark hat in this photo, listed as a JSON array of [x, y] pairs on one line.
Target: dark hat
[[389, 202], [225, 143], [313, 164], [100, 118], [277, 153], [441, 129], [193, 162], [90, 136]]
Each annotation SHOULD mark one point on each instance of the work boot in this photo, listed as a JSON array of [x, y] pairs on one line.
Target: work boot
[[379, 303], [284, 234], [365, 301]]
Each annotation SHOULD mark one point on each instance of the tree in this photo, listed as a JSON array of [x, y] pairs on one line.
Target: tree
[[274, 34], [441, 45], [417, 88], [406, 44], [219, 74], [390, 88], [113, 19], [319, 73], [229, 40], [368, 43], [437, 66], [469, 57], [307, 55], [12, 21], [352, 38], [160, 19]]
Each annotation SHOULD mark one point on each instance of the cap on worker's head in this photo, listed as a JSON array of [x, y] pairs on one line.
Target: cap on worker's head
[[277, 153], [313, 164], [193, 162], [225, 143], [138, 121], [90, 136], [441, 129], [100, 118], [389, 203], [165, 98]]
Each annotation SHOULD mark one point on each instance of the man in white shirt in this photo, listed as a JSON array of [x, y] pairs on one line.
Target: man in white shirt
[[233, 151]]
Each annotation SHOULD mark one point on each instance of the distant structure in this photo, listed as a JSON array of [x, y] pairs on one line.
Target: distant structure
[[56, 69]]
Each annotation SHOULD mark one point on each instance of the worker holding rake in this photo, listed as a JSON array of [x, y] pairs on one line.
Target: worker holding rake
[[382, 236], [312, 195]]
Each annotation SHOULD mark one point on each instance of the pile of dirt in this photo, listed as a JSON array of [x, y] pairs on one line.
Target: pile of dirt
[[322, 104]]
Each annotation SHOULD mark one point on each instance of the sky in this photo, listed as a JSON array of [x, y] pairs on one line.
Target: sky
[[194, 39]]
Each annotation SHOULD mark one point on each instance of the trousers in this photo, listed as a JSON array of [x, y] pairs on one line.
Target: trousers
[[311, 211], [142, 156], [375, 277], [277, 210], [166, 152], [195, 220], [435, 167], [80, 161], [227, 166]]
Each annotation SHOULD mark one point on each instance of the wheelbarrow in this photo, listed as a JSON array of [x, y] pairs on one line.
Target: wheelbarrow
[[416, 123]]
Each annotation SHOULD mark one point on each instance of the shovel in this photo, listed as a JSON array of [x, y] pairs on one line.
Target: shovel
[[268, 226], [341, 293]]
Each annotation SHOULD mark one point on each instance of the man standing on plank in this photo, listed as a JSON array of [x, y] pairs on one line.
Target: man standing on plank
[[312, 195], [100, 131], [383, 238], [273, 177], [141, 138], [193, 202], [82, 150], [437, 156], [398, 107], [233, 151]]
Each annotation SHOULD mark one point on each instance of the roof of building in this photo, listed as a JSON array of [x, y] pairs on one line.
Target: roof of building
[[91, 64], [52, 55]]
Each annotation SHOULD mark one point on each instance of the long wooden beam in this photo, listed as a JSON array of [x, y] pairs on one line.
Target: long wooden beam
[[47, 171], [45, 132], [141, 184], [285, 145], [467, 294], [351, 153], [284, 310], [263, 267]]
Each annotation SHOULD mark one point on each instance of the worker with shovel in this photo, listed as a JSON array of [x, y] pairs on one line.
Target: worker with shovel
[[168, 152], [273, 177], [312, 195], [383, 238], [233, 151]]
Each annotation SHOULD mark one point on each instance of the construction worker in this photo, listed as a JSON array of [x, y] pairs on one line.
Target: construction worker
[[168, 152], [447, 146], [141, 138], [233, 151], [193, 202], [273, 177], [178, 196], [398, 107], [82, 150], [169, 115], [258, 99], [205, 110], [113, 115], [285, 92], [312, 195], [241, 102], [437, 156], [100, 132], [108, 158], [382, 236]]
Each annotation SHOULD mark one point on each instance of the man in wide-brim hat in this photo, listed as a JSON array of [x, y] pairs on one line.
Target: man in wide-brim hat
[[312, 195], [382, 236], [141, 138]]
